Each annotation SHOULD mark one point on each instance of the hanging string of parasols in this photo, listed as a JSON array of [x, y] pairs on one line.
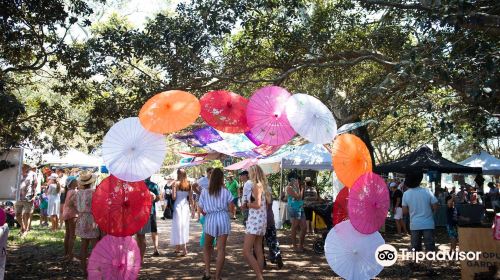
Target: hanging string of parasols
[[135, 148]]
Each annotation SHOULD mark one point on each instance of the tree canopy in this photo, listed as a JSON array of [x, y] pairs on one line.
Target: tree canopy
[[426, 71]]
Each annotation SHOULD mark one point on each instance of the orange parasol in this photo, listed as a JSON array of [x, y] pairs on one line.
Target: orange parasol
[[169, 111], [350, 158]]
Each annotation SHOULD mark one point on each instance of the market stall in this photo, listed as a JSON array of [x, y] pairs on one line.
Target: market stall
[[73, 158], [488, 163], [424, 159]]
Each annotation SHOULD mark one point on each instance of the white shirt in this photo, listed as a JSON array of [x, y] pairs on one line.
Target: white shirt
[[247, 190], [203, 182], [419, 200]]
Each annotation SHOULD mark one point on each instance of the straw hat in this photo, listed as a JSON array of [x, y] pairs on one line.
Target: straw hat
[[86, 178]]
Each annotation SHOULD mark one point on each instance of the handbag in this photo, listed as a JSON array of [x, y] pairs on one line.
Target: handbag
[[167, 213], [284, 197]]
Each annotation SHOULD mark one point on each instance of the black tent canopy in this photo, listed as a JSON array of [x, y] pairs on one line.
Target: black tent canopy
[[422, 160]]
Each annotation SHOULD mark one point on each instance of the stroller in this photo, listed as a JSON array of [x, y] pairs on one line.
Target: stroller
[[324, 210]]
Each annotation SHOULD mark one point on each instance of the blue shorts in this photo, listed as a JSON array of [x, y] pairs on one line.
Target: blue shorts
[[296, 214], [235, 201]]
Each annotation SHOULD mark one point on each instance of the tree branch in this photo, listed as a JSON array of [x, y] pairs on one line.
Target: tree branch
[[397, 5], [349, 58], [472, 20]]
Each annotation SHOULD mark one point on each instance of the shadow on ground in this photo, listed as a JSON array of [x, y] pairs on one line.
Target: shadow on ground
[[33, 259]]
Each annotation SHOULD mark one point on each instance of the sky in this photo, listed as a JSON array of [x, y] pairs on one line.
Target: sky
[[138, 11]]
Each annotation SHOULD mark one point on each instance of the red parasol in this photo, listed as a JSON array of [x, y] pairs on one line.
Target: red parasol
[[225, 111], [339, 211], [121, 208]]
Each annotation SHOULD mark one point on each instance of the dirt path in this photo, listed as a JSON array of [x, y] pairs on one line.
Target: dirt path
[[297, 266], [32, 261]]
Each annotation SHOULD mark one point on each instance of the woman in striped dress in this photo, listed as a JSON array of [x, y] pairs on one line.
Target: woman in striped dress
[[215, 203]]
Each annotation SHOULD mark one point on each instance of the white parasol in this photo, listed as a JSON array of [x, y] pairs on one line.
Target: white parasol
[[131, 152], [352, 254], [311, 119]]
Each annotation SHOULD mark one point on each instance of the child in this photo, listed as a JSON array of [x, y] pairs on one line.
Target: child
[[44, 205], [69, 217], [10, 215], [451, 221], [86, 228]]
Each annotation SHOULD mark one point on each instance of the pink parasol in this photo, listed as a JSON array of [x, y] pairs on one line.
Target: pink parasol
[[115, 258], [244, 164], [368, 203], [266, 116]]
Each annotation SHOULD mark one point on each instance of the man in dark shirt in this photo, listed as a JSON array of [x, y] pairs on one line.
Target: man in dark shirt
[[150, 226], [397, 209]]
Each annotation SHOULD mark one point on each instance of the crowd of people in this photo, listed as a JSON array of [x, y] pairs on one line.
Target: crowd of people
[[414, 206], [65, 197]]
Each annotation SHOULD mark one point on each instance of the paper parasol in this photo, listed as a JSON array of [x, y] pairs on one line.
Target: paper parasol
[[311, 119], [368, 203], [225, 111], [121, 208], [115, 258], [132, 153], [351, 254], [339, 211], [169, 111], [351, 158], [266, 116]]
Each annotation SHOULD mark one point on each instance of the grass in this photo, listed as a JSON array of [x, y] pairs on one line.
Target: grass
[[41, 237]]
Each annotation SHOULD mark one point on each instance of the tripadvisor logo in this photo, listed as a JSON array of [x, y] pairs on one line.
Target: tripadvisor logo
[[387, 255]]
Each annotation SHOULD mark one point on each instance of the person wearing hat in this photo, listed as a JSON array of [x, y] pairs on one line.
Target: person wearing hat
[[232, 187], [86, 227], [24, 206]]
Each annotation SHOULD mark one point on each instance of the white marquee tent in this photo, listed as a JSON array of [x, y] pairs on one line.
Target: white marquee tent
[[309, 156], [489, 163], [72, 158]]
